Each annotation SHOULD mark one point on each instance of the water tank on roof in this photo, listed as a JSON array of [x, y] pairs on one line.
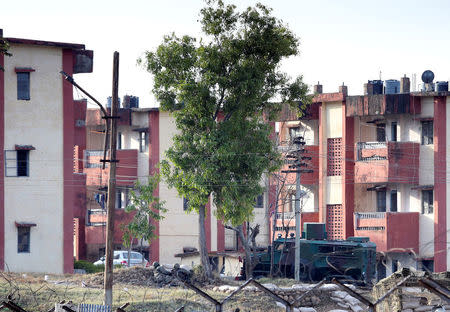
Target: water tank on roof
[[392, 86], [441, 86], [374, 87], [130, 101]]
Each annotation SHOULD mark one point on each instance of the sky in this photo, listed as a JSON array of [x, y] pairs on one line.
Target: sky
[[341, 41]]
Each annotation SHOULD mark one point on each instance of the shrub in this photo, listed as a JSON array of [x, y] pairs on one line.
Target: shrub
[[88, 266]]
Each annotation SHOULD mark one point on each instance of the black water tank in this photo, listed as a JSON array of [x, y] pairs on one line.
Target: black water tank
[[441, 86], [374, 87]]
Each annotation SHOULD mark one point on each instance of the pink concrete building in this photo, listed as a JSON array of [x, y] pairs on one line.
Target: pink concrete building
[[380, 171]]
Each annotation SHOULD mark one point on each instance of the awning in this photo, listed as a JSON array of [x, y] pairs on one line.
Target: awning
[[377, 188], [140, 129], [423, 187], [24, 70], [24, 224], [19, 147]]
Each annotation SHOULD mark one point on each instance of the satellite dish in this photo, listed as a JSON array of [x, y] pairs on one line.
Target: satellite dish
[[427, 76]]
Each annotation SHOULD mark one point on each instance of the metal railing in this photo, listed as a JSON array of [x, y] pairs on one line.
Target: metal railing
[[287, 215], [360, 146], [370, 215]]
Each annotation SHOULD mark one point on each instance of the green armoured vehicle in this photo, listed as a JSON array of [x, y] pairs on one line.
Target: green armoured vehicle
[[354, 258]]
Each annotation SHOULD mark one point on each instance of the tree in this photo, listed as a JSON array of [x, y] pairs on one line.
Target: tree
[[146, 208], [4, 46], [221, 91]]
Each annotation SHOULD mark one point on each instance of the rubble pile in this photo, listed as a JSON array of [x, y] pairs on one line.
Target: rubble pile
[[154, 276], [322, 296], [410, 296]]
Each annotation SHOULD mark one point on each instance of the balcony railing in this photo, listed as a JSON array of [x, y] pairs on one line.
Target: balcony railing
[[367, 151], [387, 162], [370, 215], [126, 168], [287, 215], [390, 231]]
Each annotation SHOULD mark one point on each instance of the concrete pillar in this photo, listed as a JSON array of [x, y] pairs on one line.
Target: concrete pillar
[[343, 89], [318, 88], [405, 85]]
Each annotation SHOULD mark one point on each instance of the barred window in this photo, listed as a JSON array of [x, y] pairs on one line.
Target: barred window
[[427, 132], [427, 201]]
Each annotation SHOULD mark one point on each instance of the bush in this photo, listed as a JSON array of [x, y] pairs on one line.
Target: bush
[[88, 266]]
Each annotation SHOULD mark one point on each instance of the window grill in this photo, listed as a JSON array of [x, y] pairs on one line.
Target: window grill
[[334, 157], [335, 222]]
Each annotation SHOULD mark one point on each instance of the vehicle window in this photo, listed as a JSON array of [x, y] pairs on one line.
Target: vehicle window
[[343, 250], [325, 249], [136, 256], [117, 256]]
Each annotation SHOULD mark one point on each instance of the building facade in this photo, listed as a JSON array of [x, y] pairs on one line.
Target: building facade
[[380, 171], [144, 134], [40, 130]]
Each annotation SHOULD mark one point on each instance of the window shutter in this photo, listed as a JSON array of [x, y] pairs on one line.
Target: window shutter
[[23, 86]]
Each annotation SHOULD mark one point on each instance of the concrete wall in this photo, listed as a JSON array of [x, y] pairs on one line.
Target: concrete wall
[[178, 228], [39, 197], [448, 178]]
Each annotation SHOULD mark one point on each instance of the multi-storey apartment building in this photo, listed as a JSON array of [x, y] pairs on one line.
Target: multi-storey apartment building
[[144, 134], [380, 161], [40, 128]]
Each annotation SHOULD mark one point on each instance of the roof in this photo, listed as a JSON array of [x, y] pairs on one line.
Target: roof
[[73, 46], [145, 109]]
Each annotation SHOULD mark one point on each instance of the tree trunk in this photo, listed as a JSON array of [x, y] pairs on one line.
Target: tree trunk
[[248, 253], [202, 242], [129, 253]]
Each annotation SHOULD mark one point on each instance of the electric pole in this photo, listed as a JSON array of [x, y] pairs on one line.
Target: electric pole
[[111, 203], [297, 161], [111, 123]]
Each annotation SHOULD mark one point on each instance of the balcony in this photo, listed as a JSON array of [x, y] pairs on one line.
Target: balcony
[[96, 225], [126, 168], [390, 231], [387, 162]]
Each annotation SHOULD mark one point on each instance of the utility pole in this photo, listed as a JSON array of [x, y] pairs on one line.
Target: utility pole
[[295, 167], [111, 203], [109, 118]]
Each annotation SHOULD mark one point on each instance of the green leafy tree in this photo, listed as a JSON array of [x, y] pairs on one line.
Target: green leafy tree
[[222, 89], [146, 208], [4, 46]]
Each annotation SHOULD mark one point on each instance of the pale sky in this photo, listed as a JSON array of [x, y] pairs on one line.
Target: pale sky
[[342, 41]]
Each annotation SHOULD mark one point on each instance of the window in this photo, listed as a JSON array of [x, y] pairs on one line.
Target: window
[[428, 265], [395, 265], [381, 201], [427, 201], [143, 141], [381, 132], [185, 204], [23, 86], [394, 201], [427, 132], [122, 199], [394, 132], [119, 140], [334, 156], [17, 163], [294, 132], [23, 239], [259, 201]]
